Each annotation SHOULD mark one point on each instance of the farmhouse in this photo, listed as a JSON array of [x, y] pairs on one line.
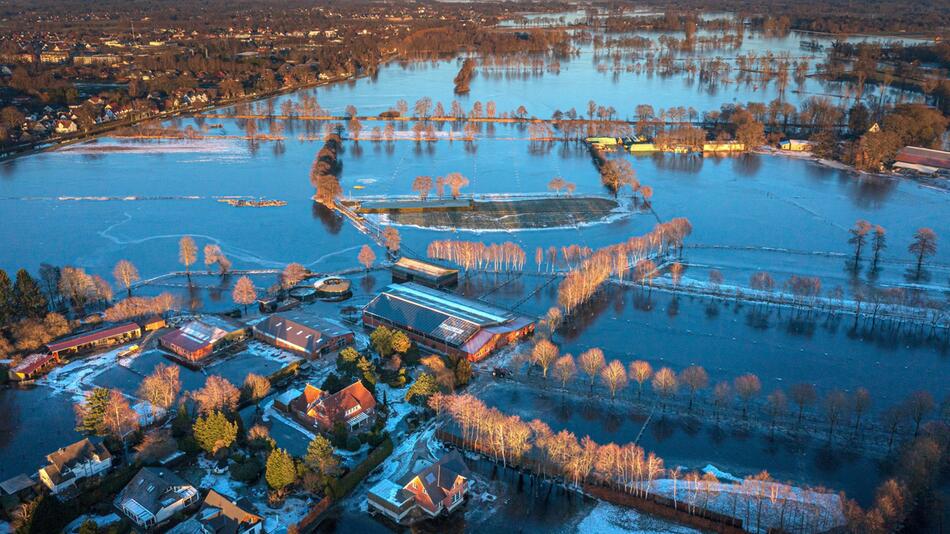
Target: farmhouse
[[31, 366], [352, 405], [795, 145], [445, 322], [70, 464], [199, 338], [423, 272], [438, 488], [153, 496], [303, 333], [105, 337]]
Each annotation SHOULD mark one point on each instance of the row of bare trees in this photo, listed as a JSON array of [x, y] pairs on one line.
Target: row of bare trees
[[454, 180], [835, 407], [583, 281], [505, 256], [628, 468]]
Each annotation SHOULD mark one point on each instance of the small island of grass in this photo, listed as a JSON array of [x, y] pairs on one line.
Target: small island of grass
[[508, 214]]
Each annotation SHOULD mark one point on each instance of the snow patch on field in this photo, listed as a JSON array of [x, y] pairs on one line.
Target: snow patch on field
[[102, 521], [72, 377], [607, 518]]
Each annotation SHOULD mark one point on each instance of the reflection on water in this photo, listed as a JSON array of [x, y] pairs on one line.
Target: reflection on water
[[695, 441]]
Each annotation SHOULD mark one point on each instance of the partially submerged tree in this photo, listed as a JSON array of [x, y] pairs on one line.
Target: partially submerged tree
[[187, 253], [244, 292], [544, 354], [125, 275], [366, 257], [924, 245], [640, 371]]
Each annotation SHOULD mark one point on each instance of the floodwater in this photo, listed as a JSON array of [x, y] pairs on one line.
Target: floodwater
[[90, 208], [694, 442]]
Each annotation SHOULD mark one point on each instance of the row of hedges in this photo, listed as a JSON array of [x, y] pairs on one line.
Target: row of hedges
[[341, 487]]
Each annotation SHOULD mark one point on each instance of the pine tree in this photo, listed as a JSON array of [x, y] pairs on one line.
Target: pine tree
[[463, 372], [280, 471], [7, 309], [422, 388], [28, 298], [214, 432], [320, 457], [91, 411]]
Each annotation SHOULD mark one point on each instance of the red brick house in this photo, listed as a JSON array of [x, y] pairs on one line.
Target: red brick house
[[353, 405]]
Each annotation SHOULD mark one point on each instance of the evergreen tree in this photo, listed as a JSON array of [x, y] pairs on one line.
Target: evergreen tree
[[28, 298], [7, 309], [91, 411], [320, 457], [181, 424], [281, 471], [214, 432], [422, 388], [89, 527], [463, 372]]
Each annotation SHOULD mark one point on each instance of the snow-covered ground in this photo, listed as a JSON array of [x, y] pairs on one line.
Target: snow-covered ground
[[777, 501], [608, 518], [73, 377], [271, 353], [102, 520]]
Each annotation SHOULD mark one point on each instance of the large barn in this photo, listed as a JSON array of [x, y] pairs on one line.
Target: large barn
[[445, 322], [303, 333]]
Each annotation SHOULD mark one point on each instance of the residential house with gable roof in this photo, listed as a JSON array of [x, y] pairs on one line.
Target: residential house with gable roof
[[72, 463], [436, 489], [153, 496], [353, 405]]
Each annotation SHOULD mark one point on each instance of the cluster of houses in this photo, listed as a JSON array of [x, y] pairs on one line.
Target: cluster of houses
[[415, 303]]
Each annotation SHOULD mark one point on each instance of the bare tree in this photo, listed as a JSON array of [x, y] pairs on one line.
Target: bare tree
[[860, 403], [835, 405], [777, 404], [125, 275], [565, 369], [161, 388], [187, 253], [878, 244], [695, 378], [256, 387], [422, 185], [722, 394], [640, 371], [292, 275], [366, 257], [544, 354], [591, 362], [747, 387], [217, 394], [244, 292], [917, 406], [858, 237], [556, 184], [924, 244], [665, 384], [614, 376], [119, 419], [803, 395], [391, 239], [456, 182]]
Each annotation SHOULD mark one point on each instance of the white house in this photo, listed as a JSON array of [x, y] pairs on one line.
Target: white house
[[153, 496], [73, 463]]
